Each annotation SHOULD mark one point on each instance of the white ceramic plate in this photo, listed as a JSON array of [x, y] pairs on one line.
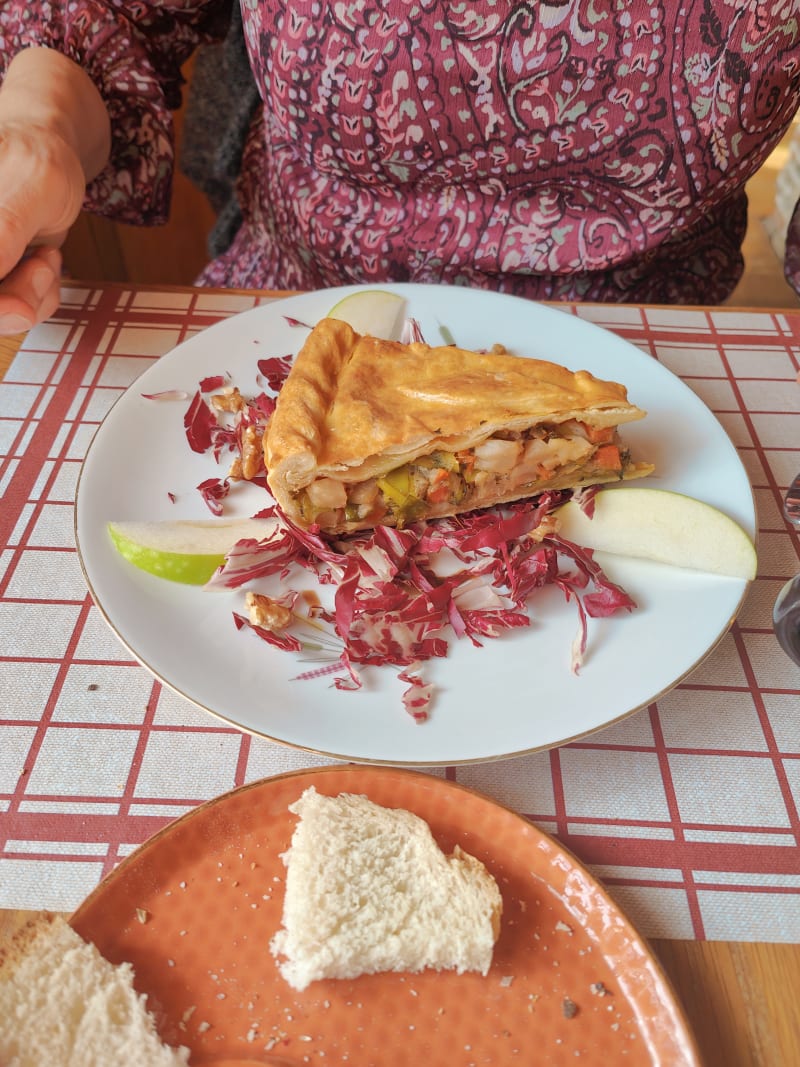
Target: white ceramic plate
[[514, 695]]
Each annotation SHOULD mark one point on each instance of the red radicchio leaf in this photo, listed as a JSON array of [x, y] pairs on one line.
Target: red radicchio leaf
[[492, 623], [582, 636], [585, 497], [502, 531], [213, 492], [316, 545], [214, 381], [199, 423], [167, 394], [275, 370], [250, 559], [489, 530], [607, 600], [260, 409], [608, 597], [345, 599], [398, 637], [222, 437], [397, 544], [284, 641], [417, 698], [353, 680], [411, 331], [529, 568]]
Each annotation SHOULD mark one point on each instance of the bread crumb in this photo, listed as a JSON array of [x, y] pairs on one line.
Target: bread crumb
[[506, 980], [560, 925], [141, 915]]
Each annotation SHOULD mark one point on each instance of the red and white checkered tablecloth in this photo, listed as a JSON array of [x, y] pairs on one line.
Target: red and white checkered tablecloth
[[688, 810]]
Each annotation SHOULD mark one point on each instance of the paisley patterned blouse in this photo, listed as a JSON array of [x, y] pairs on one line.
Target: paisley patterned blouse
[[563, 149]]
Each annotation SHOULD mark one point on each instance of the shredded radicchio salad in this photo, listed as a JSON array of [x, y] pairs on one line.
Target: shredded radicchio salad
[[400, 596]]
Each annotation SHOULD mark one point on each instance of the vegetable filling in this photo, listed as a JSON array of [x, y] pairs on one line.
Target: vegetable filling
[[493, 470]]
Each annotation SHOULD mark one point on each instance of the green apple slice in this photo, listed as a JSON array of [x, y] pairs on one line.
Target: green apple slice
[[664, 526], [183, 551], [376, 312]]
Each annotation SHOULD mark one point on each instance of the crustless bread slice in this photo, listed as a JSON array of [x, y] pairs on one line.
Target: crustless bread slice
[[369, 890], [63, 1005]]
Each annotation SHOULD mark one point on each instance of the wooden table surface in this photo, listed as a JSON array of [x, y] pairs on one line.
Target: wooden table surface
[[741, 999]]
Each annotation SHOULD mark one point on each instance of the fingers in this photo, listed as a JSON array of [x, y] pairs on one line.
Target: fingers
[[41, 191], [31, 292]]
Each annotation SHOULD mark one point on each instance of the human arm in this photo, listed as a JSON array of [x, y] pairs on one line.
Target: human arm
[[87, 92], [54, 138]]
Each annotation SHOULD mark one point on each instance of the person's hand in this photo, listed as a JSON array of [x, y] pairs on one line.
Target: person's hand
[[42, 187], [54, 137]]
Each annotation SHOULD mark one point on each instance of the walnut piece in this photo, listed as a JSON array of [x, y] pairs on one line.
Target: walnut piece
[[267, 613], [252, 453], [231, 400]]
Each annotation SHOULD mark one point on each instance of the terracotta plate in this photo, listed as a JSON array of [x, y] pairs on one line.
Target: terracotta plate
[[195, 907]]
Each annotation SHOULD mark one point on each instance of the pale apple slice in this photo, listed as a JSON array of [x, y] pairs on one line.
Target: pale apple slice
[[184, 550], [375, 312], [661, 525]]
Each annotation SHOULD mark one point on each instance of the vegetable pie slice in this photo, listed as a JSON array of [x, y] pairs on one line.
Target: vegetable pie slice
[[368, 432]]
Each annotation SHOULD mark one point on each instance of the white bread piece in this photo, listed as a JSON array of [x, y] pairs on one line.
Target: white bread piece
[[369, 890], [63, 1005]]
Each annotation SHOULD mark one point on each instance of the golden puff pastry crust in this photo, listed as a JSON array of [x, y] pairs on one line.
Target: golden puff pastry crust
[[356, 407]]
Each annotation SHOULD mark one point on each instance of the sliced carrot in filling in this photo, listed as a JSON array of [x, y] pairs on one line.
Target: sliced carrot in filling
[[608, 456], [602, 436]]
